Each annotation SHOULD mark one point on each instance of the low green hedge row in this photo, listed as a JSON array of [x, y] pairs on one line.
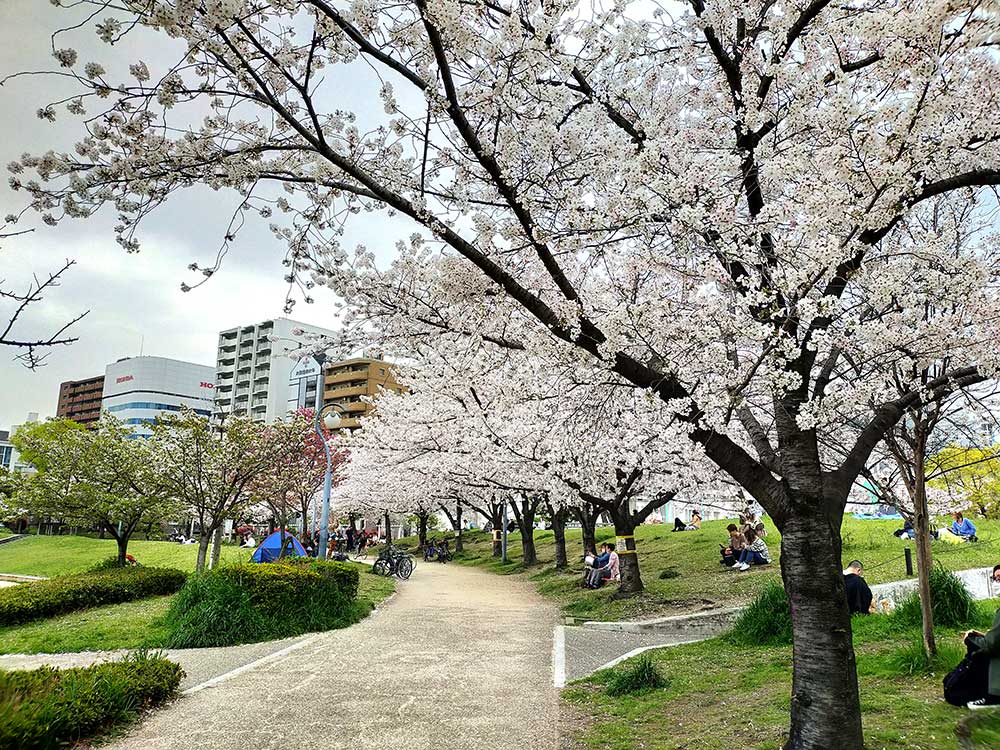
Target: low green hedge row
[[248, 603], [56, 596], [48, 708]]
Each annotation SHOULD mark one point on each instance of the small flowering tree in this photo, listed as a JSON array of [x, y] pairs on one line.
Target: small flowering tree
[[724, 205], [92, 476]]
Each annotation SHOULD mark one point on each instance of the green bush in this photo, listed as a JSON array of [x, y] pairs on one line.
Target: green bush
[[913, 660], [767, 621], [56, 596], [639, 675], [247, 603], [951, 603], [48, 708]]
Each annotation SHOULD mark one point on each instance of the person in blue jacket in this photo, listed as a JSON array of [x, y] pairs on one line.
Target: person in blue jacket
[[963, 527]]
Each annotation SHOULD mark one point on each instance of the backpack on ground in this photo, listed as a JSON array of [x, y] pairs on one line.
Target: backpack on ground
[[969, 681]]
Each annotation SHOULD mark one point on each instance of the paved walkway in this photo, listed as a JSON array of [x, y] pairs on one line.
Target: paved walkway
[[459, 659]]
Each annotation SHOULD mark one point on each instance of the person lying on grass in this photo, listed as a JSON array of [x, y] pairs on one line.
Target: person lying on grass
[[694, 524], [755, 552], [987, 646], [859, 595], [962, 530]]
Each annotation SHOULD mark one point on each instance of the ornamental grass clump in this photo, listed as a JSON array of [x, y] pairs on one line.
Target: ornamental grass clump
[[637, 676], [952, 605], [767, 621], [46, 708], [248, 603]]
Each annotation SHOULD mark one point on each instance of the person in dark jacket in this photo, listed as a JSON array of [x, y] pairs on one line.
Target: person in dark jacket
[[987, 646], [859, 596]]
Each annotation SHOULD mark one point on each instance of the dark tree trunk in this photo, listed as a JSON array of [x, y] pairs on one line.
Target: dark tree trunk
[[524, 516], [421, 530], [455, 519], [824, 674], [216, 549], [588, 526], [559, 537], [628, 560], [122, 542], [496, 519]]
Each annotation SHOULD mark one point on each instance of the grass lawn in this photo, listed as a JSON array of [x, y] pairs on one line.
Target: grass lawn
[[136, 624], [719, 697], [59, 555], [691, 558]]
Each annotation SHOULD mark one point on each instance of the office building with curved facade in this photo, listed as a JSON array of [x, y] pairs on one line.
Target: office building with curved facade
[[137, 390]]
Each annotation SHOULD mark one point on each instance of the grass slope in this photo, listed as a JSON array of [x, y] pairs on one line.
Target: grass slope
[[137, 624], [59, 555], [691, 561], [719, 696]]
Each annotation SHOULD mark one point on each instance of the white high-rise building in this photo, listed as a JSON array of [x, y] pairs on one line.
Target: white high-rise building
[[139, 389], [253, 368]]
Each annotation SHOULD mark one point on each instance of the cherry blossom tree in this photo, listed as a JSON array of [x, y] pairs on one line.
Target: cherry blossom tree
[[719, 203]]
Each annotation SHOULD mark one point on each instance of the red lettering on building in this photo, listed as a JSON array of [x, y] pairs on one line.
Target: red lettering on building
[[207, 385], [124, 378]]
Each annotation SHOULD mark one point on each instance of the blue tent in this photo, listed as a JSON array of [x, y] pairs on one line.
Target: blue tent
[[270, 548]]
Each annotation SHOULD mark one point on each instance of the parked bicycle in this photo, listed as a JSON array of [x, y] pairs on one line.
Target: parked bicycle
[[393, 561], [437, 551]]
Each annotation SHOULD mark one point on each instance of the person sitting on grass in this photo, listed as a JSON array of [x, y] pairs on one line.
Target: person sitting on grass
[[987, 646], [755, 552], [736, 544], [859, 595], [962, 528]]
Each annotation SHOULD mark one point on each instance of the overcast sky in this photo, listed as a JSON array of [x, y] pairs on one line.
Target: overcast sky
[[132, 299]]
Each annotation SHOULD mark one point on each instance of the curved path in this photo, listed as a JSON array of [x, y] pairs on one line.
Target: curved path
[[458, 659]]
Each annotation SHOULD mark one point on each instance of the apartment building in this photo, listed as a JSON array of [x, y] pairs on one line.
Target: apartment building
[[253, 368], [80, 400], [350, 381], [137, 390]]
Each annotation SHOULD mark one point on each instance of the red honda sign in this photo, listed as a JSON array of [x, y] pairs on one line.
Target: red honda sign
[[207, 385]]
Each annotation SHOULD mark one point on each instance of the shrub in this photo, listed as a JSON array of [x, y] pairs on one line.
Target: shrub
[[913, 660], [247, 603], [31, 601], [951, 603], [48, 708], [767, 621], [639, 675], [667, 573]]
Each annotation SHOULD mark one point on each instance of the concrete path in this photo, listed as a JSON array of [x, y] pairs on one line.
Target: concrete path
[[589, 650], [459, 659]]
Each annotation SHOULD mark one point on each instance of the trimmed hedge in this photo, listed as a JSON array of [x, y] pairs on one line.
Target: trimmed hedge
[[56, 596], [248, 603], [48, 708]]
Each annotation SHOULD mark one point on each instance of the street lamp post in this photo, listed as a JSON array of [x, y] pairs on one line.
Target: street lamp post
[[331, 421]]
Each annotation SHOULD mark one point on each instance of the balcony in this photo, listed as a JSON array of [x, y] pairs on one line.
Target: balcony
[[223, 387], [227, 361], [333, 394], [223, 400]]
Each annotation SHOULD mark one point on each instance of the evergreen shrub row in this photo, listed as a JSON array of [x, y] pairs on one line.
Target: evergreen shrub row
[[56, 596], [48, 708]]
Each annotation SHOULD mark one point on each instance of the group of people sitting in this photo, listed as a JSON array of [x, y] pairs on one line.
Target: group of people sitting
[[961, 530], [746, 546], [601, 568]]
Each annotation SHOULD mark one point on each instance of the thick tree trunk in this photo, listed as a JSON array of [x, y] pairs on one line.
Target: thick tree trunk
[[216, 549], [921, 528], [825, 709], [628, 560], [588, 526], [122, 542], [559, 538], [203, 541], [421, 531], [524, 517]]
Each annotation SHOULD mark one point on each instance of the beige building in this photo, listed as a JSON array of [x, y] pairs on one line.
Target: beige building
[[350, 381]]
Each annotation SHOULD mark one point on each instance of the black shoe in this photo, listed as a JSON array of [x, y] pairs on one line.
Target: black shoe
[[989, 701]]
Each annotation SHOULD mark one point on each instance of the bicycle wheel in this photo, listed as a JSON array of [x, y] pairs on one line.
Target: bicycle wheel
[[381, 568], [404, 567]]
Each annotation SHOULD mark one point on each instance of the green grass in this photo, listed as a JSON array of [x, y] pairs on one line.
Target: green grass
[[694, 556], [719, 696], [137, 624], [130, 625], [59, 555]]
